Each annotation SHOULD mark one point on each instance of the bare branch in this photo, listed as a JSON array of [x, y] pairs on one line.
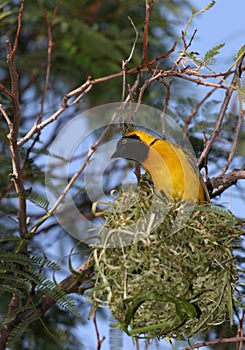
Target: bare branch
[[165, 107], [125, 62], [165, 55], [17, 35], [47, 78], [215, 341], [205, 164], [75, 176], [240, 333], [198, 81], [99, 340], [86, 87], [16, 175], [222, 182], [13, 135], [5, 90], [235, 139], [37, 127], [220, 118], [148, 6], [196, 109], [10, 125], [14, 85], [185, 47], [49, 54]]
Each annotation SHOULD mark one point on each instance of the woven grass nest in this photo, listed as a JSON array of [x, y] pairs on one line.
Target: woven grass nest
[[160, 278]]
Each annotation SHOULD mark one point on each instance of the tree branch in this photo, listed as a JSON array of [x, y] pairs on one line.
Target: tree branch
[[17, 35], [49, 56], [148, 6], [196, 109], [222, 112], [235, 139], [5, 90], [165, 107], [125, 62], [13, 136], [87, 86], [13, 125], [220, 183], [215, 341], [81, 90], [6, 117]]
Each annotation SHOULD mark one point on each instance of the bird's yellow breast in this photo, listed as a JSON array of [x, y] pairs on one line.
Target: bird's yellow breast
[[172, 174]]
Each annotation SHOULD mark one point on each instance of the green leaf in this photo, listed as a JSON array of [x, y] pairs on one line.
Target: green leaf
[[38, 200], [210, 54], [240, 53]]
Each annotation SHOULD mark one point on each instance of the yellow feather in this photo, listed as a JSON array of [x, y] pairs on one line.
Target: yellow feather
[[172, 170]]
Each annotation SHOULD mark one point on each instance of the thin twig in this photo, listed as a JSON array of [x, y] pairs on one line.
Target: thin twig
[[185, 47], [213, 342], [37, 127], [131, 92], [208, 76], [155, 76], [47, 78], [5, 90], [10, 124], [239, 345], [91, 151], [191, 39], [49, 56], [99, 340], [198, 81], [125, 62], [14, 85], [84, 88], [205, 164], [165, 55], [165, 107], [220, 118], [17, 35], [148, 6], [196, 109], [235, 138]]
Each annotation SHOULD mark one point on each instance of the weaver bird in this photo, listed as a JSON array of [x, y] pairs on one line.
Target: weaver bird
[[171, 169]]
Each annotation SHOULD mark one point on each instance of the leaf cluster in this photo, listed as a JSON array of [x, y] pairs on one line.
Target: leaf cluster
[[25, 277], [208, 59]]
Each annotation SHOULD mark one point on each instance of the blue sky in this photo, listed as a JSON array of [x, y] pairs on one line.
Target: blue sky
[[224, 23]]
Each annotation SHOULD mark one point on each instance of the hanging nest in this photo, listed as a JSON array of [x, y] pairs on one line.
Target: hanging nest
[[166, 269]]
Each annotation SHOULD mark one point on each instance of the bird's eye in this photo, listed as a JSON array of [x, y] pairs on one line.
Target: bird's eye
[[124, 141]]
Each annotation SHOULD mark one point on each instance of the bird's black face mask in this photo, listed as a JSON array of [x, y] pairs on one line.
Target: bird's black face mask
[[131, 148]]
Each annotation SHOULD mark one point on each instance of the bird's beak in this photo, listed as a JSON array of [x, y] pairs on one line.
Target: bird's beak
[[116, 154]]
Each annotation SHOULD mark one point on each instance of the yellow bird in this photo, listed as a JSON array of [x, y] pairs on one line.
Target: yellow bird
[[172, 170]]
